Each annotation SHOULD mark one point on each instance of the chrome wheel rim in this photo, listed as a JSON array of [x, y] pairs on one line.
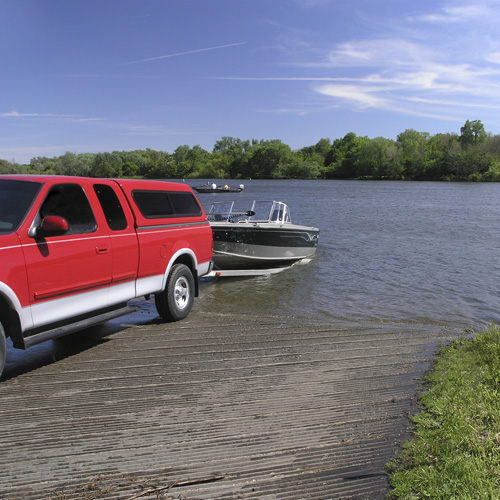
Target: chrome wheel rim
[[181, 293]]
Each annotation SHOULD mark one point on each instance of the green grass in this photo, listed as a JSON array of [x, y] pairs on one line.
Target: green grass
[[455, 451]]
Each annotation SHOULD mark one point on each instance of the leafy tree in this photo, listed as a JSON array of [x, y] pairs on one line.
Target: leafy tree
[[159, 171], [343, 155], [322, 147], [472, 134], [303, 169], [473, 164], [238, 167], [231, 146], [181, 159], [231, 155], [474, 155], [72, 164], [268, 158], [451, 157], [493, 173], [412, 145], [6, 167], [106, 165], [197, 159], [133, 163], [189, 161], [374, 161], [44, 165], [159, 164], [492, 145], [317, 153], [217, 167]]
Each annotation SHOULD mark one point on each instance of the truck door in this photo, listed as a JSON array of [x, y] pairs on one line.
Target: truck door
[[69, 274], [124, 243]]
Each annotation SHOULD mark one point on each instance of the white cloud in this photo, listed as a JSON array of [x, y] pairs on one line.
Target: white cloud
[[39, 116], [371, 53], [458, 14], [90, 120], [458, 103], [16, 114], [363, 97], [374, 52], [440, 65], [493, 57]]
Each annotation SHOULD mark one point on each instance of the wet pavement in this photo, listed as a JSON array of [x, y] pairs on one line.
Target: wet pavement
[[218, 406]]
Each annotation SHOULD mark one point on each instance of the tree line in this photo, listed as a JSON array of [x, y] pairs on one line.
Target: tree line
[[472, 155]]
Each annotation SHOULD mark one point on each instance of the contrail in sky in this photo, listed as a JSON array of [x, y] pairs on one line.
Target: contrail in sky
[[185, 53]]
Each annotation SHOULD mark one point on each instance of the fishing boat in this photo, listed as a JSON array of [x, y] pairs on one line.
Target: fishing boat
[[210, 187], [262, 237]]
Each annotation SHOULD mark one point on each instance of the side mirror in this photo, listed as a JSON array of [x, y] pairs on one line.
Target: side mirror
[[53, 225]]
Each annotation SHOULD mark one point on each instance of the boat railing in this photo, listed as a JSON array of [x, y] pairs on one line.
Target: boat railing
[[262, 211], [270, 211]]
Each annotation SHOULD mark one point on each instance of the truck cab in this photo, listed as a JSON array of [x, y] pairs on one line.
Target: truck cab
[[75, 251]]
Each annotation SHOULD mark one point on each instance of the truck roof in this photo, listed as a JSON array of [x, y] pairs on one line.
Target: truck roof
[[129, 183]]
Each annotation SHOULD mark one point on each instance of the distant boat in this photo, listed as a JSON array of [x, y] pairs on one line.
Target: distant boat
[[262, 237], [210, 187]]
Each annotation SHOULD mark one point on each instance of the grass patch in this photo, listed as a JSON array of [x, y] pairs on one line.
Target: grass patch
[[455, 452]]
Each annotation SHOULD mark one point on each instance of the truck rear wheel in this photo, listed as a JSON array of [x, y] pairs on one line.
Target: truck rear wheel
[[176, 301], [3, 349]]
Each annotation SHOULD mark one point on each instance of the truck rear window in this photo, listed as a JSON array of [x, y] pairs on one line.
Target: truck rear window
[[161, 204]]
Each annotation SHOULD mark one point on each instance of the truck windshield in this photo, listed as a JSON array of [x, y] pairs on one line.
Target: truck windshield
[[16, 198]]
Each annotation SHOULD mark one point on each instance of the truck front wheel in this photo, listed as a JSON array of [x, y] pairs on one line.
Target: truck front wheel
[[3, 349], [175, 302]]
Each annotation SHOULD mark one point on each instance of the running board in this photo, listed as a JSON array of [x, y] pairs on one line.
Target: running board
[[79, 325]]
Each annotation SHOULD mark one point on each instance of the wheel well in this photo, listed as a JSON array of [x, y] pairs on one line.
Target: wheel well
[[11, 323], [188, 261]]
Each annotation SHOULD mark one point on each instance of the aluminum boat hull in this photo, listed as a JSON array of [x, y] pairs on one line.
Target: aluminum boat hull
[[258, 245]]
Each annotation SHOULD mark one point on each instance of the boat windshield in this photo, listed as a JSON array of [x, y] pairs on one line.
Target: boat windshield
[[262, 211], [16, 198], [220, 211], [270, 211]]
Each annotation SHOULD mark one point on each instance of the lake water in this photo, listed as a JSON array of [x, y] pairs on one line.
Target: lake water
[[409, 251], [388, 251]]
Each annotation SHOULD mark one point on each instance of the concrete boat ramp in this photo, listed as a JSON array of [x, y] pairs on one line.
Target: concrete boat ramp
[[218, 406]]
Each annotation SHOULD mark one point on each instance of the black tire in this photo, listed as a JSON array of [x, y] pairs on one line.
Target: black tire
[[3, 349], [176, 301]]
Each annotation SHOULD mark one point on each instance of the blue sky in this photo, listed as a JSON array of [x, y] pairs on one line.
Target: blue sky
[[105, 75]]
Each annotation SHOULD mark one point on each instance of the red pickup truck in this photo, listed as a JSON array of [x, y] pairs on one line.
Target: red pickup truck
[[74, 251]]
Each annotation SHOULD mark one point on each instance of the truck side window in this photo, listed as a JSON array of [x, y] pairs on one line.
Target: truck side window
[[160, 204], [111, 207], [69, 201], [153, 204], [184, 204]]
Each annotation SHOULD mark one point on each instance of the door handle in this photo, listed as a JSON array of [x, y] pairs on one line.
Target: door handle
[[101, 250]]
